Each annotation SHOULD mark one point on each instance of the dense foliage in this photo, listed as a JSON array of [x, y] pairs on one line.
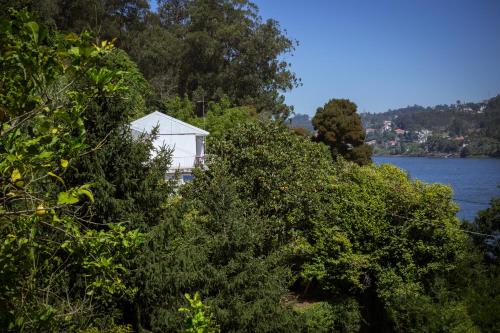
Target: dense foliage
[[216, 244], [488, 222], [364, 235], [272, 236], [57, 270], [204, 49], [339, 126], [484, 298], [120, 170]]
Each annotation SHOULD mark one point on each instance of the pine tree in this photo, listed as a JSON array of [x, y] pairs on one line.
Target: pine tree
[[214, 243], [128, 185]]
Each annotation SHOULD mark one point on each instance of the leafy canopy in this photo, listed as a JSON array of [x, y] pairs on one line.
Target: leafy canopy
[[339, 127], [54, 265], [204, 49]]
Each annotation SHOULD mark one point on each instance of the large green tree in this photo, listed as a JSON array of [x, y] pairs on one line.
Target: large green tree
[[217, 244], [484, 293], [487, 222], [107, 19], [365, 236], [230, 51], [58, 270], [129, 185], [205, 49], [339, 126]]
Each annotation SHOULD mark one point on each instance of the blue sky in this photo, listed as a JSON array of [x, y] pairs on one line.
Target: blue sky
[[386, 54]]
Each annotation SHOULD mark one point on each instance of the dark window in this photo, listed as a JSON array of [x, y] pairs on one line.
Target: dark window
[[187, 178]]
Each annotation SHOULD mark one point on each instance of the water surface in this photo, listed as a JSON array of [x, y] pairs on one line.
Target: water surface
[[474, 181]]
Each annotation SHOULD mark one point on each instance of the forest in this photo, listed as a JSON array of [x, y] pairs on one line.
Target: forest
[[283, 232]]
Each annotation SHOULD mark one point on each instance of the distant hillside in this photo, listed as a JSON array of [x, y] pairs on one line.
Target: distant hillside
[[301, 121], [461, 129]]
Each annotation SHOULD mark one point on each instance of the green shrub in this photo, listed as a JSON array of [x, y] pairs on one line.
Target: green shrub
[[112, 329], [331, 317]]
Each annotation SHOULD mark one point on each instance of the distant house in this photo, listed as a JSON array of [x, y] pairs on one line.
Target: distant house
[[423, 135], [387, 125], [187, 141]]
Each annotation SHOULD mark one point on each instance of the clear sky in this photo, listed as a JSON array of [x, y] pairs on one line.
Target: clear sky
[[385, 54]]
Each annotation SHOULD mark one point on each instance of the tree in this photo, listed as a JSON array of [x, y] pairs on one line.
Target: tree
[[189, 47], [339, 127], [129, 185], [487, 222], [222, 48], [214, 243], [57, 271], [482, 275], [390, 242], [106, 19], [367, 236]]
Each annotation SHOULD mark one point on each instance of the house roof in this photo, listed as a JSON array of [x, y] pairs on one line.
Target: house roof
[[166, 125]]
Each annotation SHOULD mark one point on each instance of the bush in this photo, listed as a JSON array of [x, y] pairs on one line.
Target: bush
[[331, 317]]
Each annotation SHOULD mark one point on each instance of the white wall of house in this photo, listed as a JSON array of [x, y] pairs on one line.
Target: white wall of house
[[186, 141], [184, 147]]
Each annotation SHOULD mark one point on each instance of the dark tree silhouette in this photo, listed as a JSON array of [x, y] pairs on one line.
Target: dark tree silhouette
[[339, 126]]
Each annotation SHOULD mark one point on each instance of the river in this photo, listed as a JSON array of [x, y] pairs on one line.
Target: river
[[474, 181]]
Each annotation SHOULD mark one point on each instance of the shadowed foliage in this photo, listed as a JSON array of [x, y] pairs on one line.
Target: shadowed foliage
[[339, 127]]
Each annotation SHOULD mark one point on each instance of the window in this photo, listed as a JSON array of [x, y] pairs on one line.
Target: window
[[187, 178]]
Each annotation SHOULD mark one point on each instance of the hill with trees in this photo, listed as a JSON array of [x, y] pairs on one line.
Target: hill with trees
[[301, 121], [461, 129], [274, 236]]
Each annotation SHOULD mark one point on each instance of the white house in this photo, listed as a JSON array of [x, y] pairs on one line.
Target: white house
[[187, 141], [423, 135], [387, 125]]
